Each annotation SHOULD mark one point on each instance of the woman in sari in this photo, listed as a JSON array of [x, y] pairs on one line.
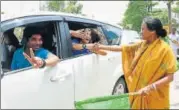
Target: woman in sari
[[148, 66]]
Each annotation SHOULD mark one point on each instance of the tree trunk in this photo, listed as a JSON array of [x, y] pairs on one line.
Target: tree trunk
[[169, 15]]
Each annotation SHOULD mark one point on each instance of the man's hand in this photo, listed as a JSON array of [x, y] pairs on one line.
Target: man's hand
[[35, 61], [175, 42]]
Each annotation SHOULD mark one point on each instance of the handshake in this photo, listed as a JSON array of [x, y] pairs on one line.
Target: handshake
[[87, 41], [95, 48]]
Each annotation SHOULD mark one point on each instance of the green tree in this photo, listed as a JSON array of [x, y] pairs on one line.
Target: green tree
[[176, 9], [65, 6], [137, 10], [150, 4], [56, 5], [162, 14], [134, 15], [73, 7]]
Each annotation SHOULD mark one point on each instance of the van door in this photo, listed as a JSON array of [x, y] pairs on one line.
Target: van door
[[48, 88], [93, 77], [85, 67], [110, 66]]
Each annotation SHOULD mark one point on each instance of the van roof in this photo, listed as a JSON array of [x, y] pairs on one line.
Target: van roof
[[40, 13], [43, 13]]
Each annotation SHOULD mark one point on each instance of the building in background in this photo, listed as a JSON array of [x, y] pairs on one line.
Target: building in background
[[176, 17]]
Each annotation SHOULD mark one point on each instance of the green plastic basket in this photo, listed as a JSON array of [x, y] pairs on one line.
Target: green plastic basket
[[105, 102], [177, 65]]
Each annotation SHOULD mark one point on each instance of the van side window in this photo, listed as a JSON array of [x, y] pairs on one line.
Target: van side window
[[83, 27], [103, 37], [13, 39], [113, 35]]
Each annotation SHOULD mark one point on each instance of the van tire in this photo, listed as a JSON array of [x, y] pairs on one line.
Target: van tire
[[120, 87]]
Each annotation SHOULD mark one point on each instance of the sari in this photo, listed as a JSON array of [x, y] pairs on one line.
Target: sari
[[144, 64]]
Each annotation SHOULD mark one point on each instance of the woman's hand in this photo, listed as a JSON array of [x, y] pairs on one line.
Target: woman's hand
[[35, 61], [96, 47], [107, 47], [80, 34], [90, 46], [146, 90]]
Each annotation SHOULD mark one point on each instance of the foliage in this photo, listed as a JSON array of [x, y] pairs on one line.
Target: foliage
[[175, 23], [56, 5], [73, 7], [136, 12], [176, 9], [65, 6], [162, 14]]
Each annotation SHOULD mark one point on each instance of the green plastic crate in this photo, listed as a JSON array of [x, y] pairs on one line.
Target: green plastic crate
[[177, 65], [106, 102]]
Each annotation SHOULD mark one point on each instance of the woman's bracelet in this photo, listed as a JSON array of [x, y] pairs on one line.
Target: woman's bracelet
[[154, 86], [84, 46], [110, 48]]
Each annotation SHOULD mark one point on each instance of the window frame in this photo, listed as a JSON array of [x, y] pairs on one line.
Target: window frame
[[68, 36], [105, 32], [2, 74], [18, 22]]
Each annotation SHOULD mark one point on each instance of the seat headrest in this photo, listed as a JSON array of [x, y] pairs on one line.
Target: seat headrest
[[10, 39], [3, 50]]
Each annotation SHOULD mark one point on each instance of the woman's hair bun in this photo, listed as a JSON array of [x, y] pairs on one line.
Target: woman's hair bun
[[161, 33]]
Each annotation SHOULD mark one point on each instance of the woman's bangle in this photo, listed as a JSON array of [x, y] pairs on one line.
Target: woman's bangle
[[110, 48], [84, 46], [154, 86]]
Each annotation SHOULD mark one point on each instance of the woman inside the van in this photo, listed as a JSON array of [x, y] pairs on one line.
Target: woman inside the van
[[148, 66], [83, 41]]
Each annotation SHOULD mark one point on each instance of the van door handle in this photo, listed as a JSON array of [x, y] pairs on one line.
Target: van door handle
[[59, 78], [110, 59], [131, 42]]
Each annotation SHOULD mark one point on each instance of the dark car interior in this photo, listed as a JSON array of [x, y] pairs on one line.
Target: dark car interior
[[78, 25]]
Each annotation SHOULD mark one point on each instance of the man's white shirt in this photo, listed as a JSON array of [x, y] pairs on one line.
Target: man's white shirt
[[173, 45]]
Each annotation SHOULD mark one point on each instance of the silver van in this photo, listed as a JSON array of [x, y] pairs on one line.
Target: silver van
[[73, 79]]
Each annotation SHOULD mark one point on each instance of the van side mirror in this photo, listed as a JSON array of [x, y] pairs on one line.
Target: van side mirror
[[2, 58], [2, 74], [131, 42]]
